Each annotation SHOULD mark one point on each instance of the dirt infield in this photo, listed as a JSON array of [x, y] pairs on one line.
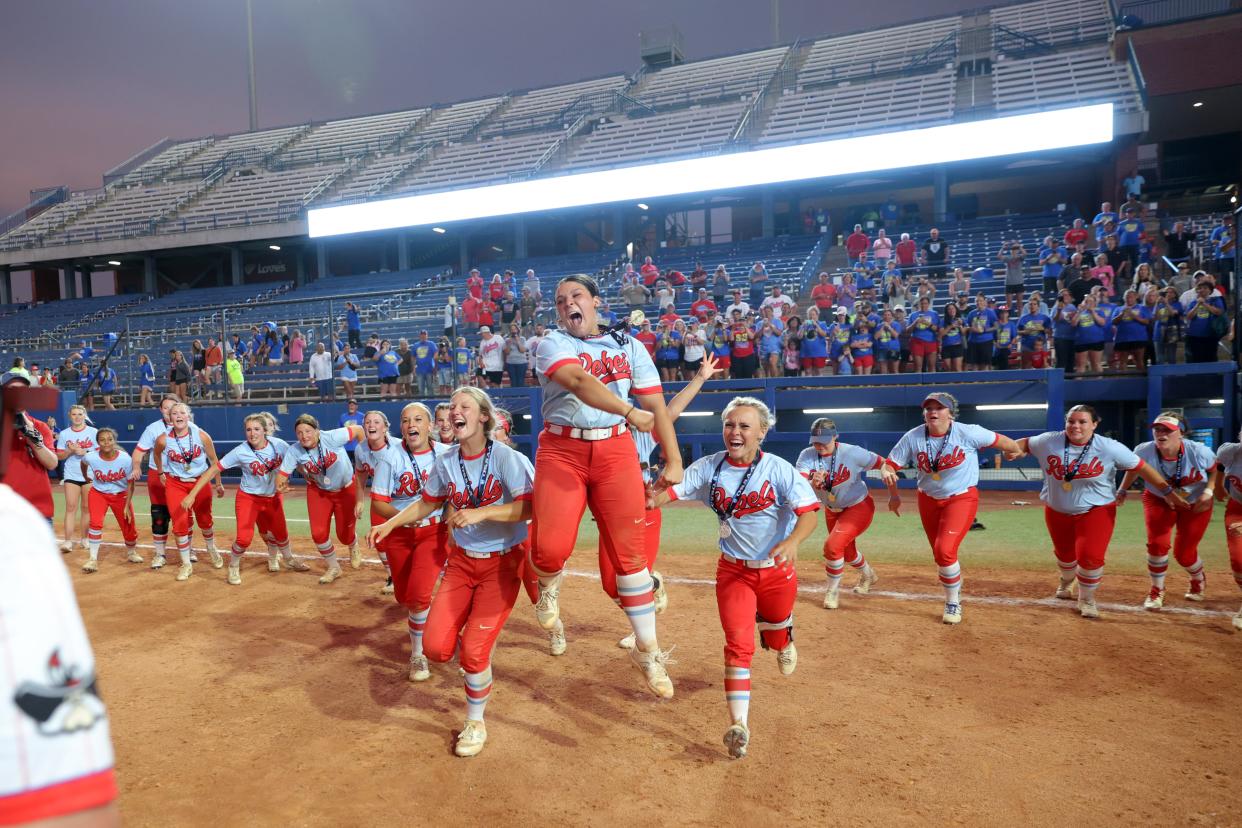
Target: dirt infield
[[285, 702]]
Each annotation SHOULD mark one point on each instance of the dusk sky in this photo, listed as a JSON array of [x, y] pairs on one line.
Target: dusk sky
[[87, 84]]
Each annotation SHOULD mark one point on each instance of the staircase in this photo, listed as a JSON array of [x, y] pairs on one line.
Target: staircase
[[973, 91]]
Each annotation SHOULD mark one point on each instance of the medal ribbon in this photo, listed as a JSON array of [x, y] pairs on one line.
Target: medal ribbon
[[934, 462], [476, 496], [1072, 471], [715, 484]]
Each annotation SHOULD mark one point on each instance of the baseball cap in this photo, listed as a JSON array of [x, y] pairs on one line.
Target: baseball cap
[[1167, 419], [825, 435], [15, 375], [485, 329], [943, 398]]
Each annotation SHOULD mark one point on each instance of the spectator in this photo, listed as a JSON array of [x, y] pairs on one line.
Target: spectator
[[1132, 323], [31, 455], [820, 345], [1052, 260], [450, 316], [701, 306], [420, 362], [935, 255], [649, 272], [758, 283], [605, 315], [463, 362], [1130, 231], [887, 337], [737, 305], [1144, 281], [778, 302], [508, 308], [765, 315], [857, 244], [647, 336], [491, 357], [532, 284], [1224, 239], [532, 342], [347, 363], [107, 384], [952, 338], [527, 306], [861, 347], [1177, 243], [743, 357], [146, 381], [635, 295], [352, 416], [720, 286], [237, 379], [847, 292], [275, 347], [1090, 333], [46, 379], [474, 285], [924, 340], [1101, 222], [353, 324], [198, 356], [669, 316], [959, 285], [1166, 325], [320, 371], [516, 357], [906, 253], [258, 347], [1103, 273], [982, 323], [405, 367], [824, 294], [664, 295], [1075, 236], [881, 248], [487, 313], [1013, 254], [496, 289], [1132, 187], [387, 370], [471, 308], [667, 351], [444, 367], [1006, 334], [698, 278], [179, 376], [213, 362], [1035, 328], [237, 346], [1206, 323], [693, 350], [67, 376]]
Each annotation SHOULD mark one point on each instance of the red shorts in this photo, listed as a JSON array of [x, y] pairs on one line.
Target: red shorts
[[921, 347], [416, 554], [723, 363], [867, 361], [746, 596], [813, 362]]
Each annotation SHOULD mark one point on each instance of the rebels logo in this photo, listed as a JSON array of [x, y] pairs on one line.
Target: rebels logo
[[748, 503], [261, 468], [492, 493], [1056, 469], [312, 465], [110, 476], [607, 368], [947, 461], [185, 456], [842, 474], [408, 485]]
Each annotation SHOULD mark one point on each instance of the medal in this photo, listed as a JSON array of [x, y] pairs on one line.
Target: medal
[[832, 498], [1183, 492], [727, 512], [935, 461], [1067, 485], [725, 531], [935, 475]]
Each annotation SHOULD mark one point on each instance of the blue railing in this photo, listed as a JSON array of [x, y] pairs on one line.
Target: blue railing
[[1132, 57], [1140, 13]]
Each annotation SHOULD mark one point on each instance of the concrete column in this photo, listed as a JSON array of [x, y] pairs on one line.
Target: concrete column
[[321, 261], [618, 227], [519, 238], [940, 194], [707, 223], [463, 254], [88, 289], [68, 282], [767, 207], [148, 274], [299, 278], [6, 286], [403, 251], [237, 265]]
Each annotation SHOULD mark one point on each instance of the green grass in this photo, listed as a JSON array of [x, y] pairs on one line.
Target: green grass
[[1014, 538]]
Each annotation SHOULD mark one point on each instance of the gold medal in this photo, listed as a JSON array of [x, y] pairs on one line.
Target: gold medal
[[935, 475], [1067, 485], [832, 498], [1184, 492], [725, 531]]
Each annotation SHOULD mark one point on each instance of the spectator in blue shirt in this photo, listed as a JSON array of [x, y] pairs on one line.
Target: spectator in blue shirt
[[1130, 236], [1166, 317], [353, 323], [1006, 333], [146, 381], [462, 362], [1034, 328], [387, 369], [981, 339], [924, 326], [425, 365], [1103, 222], [351, 415], [1224, 241], [1091, 330], [952, 338], [887, 336], [1052, 260], [1204, 324], [1132, 323], [1064, 334]]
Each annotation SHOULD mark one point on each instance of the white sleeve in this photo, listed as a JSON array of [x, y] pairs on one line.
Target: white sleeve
[[798, 492], [554, 352], [695, 480], [519, 474], [976, 436], [288, 463], [230, 459], [1121, 455], [805, 461], [1038, 445], [902, 454], [1205, 457], [1227, 454], [645, 379], [435, 487]]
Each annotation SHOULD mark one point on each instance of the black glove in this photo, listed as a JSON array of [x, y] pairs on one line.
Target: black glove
[[27, 428]]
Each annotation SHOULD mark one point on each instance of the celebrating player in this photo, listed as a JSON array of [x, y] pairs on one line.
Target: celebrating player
[[1080, 505], [155, 488], [416, 551], [107, 471], [488, 485], [73, 444], [330, 488], [1229, 487], [444, 424], [367, 457], [946, 454], [183, 455], [1191, 469], [586, 457], [765, 510], [839, 470]]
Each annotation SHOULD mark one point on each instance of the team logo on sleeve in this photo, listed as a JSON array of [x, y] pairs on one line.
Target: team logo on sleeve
[[607, 367], [69, 702]]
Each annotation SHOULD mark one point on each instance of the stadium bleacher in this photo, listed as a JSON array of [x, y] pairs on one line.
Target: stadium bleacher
[[1080, 76], [873, 52], [735, 76]]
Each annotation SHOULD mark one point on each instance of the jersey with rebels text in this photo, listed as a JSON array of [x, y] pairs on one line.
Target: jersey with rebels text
[[625, 369], [765, 513], [399, 476], [958, 465], [645, 444], [510, 477], [258, 467], [367, 459], [107, 476], [1230, 460], [1094, 482], [849, 479], [186, 456], [146, 441], [83, 439], [1197, 462], [327, 465]]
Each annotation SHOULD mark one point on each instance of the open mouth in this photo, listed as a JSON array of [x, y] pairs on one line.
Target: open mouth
[[736, 443], [575, 317]]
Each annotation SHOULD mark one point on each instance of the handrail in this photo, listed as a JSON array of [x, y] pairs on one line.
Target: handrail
[[400, 170], [759, 103], [1032, 44], [560, 142], [51, 198], [331, 178], [924, 59], [1161, 12], [1137, 70]]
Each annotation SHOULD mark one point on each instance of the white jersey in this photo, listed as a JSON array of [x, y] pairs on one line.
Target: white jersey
[[400, 475], [258, 466], [645, 444], [146, 441], [1187, 474], [849, 464], [625, 368], [367, 459], [1229, 458], [763, 515], [83, 438], [107, 476], [1094, 470], [954, 455], [55, 746], [326, 466], [184, 457], [510, 477]]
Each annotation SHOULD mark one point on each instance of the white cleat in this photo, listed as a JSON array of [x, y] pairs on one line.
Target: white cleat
[[133, 557], [655, 671], [184, 573], [629, 642], [193, 557], [330, 575], [1154, 599], [952, 614], [659, 592], [832, 597], [387, 588], [273, 563], [1065, 592], [1237, 620], [1197, 590], [866, 580], [91, 565], [158, 562], [355, 557], [471, 739], [66, 547], [217, 560], [736, 738], [787, 659], [235, 574], [556, 640], [1087, 608], [419, 669], [297, 566], [548, 607]]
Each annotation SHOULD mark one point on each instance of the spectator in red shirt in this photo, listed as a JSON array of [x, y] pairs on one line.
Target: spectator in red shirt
[[744, 360], [30, 457], [675, 278], [669, 316], [474, 285], [824, 294], [646, 336], [649, 272], [701, 306], [698, 276], [487, 313], [857, 245], [905, 252], [1076, 235], [496, 290], [470, 308]]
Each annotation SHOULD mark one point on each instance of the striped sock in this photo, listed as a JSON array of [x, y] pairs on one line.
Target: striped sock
[[478, 690], [383, 556], [417, 621], [209, 539], [328, 553], [286, 551], [860, 563], [1157, 566], [951, 580], [93, 538], [737, 692], [1089, 582], [183, 548], [835, 567], [1068, 570], [238, 552], [639, 605], [160, 543], [1195, 571]]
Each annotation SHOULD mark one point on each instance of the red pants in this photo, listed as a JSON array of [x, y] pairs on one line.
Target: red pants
[[1233, 538], [474, 601], [1081, 539], [573, 474], [845, 527], [99, 504], [416, 554], [530, 580], [746, 596], [651, 548], [322, 506], [175, 490], [947, 521], [155, 489], [267, 512], [1160, 520]]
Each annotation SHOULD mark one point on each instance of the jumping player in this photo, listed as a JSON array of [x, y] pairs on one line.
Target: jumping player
[[1229, 488], [107, 470], [765, 510], [1191, 469], [839, 471], [1080, 505], [488, 485], [330, 489], [946, 455], [416, 552], [367, 457], [72, 444], [155, 489], [586, 457], [183, 455]]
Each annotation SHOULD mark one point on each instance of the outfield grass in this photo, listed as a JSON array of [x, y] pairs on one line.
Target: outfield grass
[[1015, 538]]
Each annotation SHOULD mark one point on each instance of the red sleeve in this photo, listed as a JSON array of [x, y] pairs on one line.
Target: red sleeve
[[556, 366], [814, 507], [655, 389], [891, 464], [381, 498], [994, 442], [62, 799], [879, 463], [672, 494], [430, 498]]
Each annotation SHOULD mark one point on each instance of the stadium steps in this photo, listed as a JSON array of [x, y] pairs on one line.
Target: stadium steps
[[406, 172], [493, 115], [188, 201], [285, 145], [172, 171], [752, 121]]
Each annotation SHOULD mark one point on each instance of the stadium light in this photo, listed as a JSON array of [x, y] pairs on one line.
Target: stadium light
[[1197, 104], [273, 247], [1013, 407], [835, 411], [114, 263], [698, 413], [991, 138], [641, 206], [440, 230], [1210, 402]]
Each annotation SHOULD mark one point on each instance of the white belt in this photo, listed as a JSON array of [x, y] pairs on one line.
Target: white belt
[[590, 434], [763, 564], [484, 555]]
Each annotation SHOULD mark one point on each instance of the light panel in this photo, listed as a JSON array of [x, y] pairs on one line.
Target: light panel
[[1013, 135], [1013, 407], [837, 411]]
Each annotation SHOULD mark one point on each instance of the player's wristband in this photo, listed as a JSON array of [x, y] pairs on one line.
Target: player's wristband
[[1168, 490]]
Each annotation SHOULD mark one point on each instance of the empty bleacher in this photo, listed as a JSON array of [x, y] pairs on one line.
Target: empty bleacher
[[734, 77], [127, 211], [874, 52], [1053, 22], [475, 162], [450, 123], [1070, 78], [252, 196], [697, 130], [243, 148], [163, 162], [539, 108], [339, 140], [34, 230]]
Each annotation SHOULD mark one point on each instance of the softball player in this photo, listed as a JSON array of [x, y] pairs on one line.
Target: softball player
[[765, 509], [946, 454], [330, 488], [415, 551], [1080, 504], [72, 444], [367, 457], [1229, 488], [183, 455], [1191, 470], [586, 457], [444, 424], [107, 470], [488, 485], [155, 488], [839, 471]]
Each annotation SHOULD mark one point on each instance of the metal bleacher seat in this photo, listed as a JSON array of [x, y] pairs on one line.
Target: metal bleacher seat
[[873, 52], [1075, 77], [338, 140], [475, 162], [1057, 21], [681, 132], [253, 195], [734, 76], [243, 148], [538, 108], [125, 212], [164, 162]]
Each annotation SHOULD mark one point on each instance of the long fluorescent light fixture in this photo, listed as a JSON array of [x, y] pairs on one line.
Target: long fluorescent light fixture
[[1013, 135], [835, 411], [1013, 407]]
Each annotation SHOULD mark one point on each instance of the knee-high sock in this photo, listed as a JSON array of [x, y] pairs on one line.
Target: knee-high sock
[[1195, 571], [1089, 582], [183, 548], [417, 621], [835, 567], [1068, 570], [951, 580], [639, 605], [737, 692], [238, 552], [1157, 566], [478, 690]]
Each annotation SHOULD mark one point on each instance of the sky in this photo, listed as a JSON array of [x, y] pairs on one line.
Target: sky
[[89, 83]]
